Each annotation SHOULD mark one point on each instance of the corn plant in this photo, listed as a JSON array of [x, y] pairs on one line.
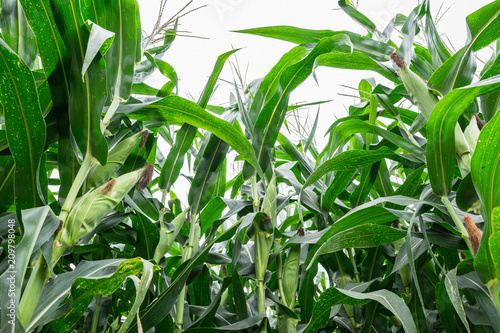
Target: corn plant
[[392, 226]]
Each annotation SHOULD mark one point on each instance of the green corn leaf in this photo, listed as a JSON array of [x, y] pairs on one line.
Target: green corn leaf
[[458, 71], [239, 326], [161, 306], [441, 132], [117, 156], [25, 126], [176, 109], [187, 133], [451, 286], [357, 61], [53, 52], [436, 47], [83, 291], [352, 160], [487, 182], [57, 289], [357, 16], [39, 226], [148, 236], [165, 68], [340, 181], [466, 196], [100, 40], [409, 30], [17, 33], [350, 127], [121, 56], [87, 96], [141, 290], [363, 236], [368, 177], [204, 183], [378, 50], [271, 81], [334, 296], [7, 167], [445, 307], [270, 119]]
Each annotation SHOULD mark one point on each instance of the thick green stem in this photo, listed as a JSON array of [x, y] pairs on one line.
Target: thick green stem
[[458, 222], [95, 316], [33, 290]]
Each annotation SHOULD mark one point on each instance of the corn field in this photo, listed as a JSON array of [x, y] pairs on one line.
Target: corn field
[[392, 226]]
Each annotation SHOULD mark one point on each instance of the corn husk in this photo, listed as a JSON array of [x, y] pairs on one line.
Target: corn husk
[[291, 276], [91, 208]]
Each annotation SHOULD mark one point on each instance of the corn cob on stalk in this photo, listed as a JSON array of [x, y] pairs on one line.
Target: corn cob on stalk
[[426, 100], [92, 207]]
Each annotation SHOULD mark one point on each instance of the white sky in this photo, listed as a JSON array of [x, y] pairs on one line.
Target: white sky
[[193, 58]]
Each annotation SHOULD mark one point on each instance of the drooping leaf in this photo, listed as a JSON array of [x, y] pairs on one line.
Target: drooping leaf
[[272, 115], [352, 160], [83, 291], [179, 110], [368, 235]]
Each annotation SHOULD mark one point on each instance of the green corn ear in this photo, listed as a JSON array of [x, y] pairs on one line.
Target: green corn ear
[[416, 87], [100, 174], [167, 237], [426, 101], [91, 208], [291, 276]]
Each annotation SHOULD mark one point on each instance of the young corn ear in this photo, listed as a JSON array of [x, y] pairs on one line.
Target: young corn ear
[[167, 236], [291, 276], [99, 174], [91, 208], [416, 87], [426, 100]]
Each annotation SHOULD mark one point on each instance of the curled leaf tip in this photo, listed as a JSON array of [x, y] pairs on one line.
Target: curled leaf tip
[[397, 60], [475, 234], [479, 121], [105, 190], [146, 177], [144, 138]]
